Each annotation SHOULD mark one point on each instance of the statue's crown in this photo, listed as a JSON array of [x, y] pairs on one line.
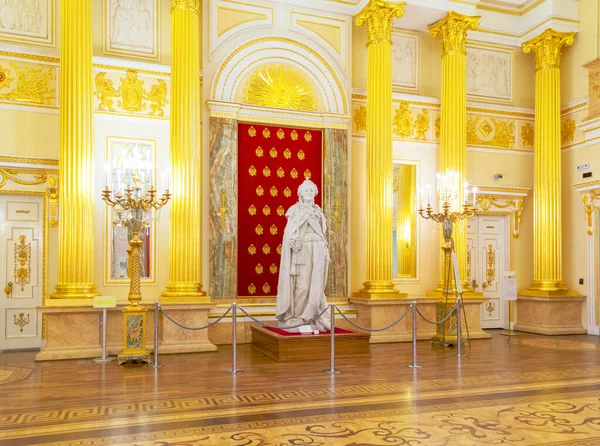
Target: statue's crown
[[308, 184]]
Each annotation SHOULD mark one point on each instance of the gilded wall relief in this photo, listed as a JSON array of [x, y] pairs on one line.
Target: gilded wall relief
[[27, 21], [567, 131], [131, 92], [131, 28], [406, 60], [489, 131], [490, 74], [28, 83]]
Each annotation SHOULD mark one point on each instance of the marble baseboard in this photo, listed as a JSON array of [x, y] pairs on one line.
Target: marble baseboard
[[550, 315]]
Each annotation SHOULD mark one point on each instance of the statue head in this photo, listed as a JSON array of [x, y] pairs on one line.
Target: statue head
[[307, 191]]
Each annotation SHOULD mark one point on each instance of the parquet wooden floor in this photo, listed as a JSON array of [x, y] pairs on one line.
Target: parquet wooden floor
[[506, 391]]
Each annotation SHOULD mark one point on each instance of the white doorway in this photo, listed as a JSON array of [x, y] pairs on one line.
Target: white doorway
[[488, 257], [21, 275]]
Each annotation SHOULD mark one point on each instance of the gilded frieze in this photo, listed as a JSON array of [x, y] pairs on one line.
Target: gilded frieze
[[527, 130], [359, 118], [567, 130], [495, 132], [28, 83]]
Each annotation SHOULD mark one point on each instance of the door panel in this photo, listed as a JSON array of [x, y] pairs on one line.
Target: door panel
[[490, 261], [21, 263]]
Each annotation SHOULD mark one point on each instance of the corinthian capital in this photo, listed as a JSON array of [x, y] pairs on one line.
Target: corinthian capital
[[453, 29], [547, 47], [379, 15], [186, 5]]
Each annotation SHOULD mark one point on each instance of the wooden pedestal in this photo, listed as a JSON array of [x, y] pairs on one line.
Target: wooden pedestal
[[303, 347]]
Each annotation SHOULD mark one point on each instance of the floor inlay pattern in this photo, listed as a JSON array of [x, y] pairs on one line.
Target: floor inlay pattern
[[556, 344], [10, 374]]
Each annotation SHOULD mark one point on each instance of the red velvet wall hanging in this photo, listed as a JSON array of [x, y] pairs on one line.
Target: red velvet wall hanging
[[272, 163]]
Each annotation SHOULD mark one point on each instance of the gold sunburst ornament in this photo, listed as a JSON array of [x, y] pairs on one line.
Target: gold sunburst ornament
[[280, 87]]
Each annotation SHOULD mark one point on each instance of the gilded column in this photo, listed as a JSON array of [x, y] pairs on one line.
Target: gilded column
[[378, 15], [77, 194], [547, 244], [453, 121], [185, 249]]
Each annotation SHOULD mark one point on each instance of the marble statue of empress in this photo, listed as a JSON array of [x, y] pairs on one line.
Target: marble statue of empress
[[304, 263]]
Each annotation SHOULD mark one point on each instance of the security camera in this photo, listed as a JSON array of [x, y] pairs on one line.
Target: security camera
[[497, 177]]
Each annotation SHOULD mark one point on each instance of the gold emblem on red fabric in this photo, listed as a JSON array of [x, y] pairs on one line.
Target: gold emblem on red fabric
[[252, 210], [266, 249], [307, 174], [252, 171], [251, 289], [279, 248], [258, 230], [266, 288], [294, 135], [266, 133], [267, 171], [273, 268], [273, 191], [252, 132], [273, 230], [287, 192], [301, 155], [251, 250], [260, 191], [280, 172], [280, 134], [287, 153], [280, 211], [259, 269], [273, 152], [294, 173], [307, 137], [267, 210], [259, 151]]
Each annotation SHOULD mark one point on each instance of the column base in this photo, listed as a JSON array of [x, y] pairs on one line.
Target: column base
[[380, 290], [184, 293], [75, 291], [550, 314]]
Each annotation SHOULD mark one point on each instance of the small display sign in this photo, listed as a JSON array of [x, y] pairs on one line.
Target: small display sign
[[510, 289], [105, 302]]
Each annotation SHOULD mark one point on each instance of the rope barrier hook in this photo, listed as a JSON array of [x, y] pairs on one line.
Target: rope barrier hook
[[332, 370], [414, 337]]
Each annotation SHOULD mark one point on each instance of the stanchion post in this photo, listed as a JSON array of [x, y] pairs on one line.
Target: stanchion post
[[234, 370], [458, 328], [104, 358], [155, 363], [414, 337], [332, 370]]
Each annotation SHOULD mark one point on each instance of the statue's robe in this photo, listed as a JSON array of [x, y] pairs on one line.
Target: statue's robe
[[303, 274]]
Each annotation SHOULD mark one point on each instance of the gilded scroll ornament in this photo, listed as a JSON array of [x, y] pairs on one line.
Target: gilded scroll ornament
[[280, 210], [266, 210], [266, 133], [223, 209], [336, 213], [273, 191], [252, 210], [266, 288], [490, 132], [12, 175], [258, 269], [360, 119], [301, 154], [422, 125], [279, 249], [105, 92], [280, 172], [588, 208], [403, 121], [252, 132], [251, 250], [22, 262], [280, 134], [527, 135], [252, 171], [294, 135], [490, 307], [273, 268], [21, 321], [307, 174], [379, 16], [453, 30], [490, 257], [259, 230], [294, 173], [437, 125], [273, 230], [287, 192], [280, 87], [547, 47], [260, 191], [267, 171], [186, 5], [251, 289], [266, 249], [567, 130], [259, 152], [157, 98], [485, 202], [308, 137], [53, 201], [469, 264], [33, 85], [131, 92], [273, 152]]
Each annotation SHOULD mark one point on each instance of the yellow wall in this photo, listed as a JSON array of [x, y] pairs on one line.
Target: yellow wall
[[26, 133], [431, 66], [524, 79]]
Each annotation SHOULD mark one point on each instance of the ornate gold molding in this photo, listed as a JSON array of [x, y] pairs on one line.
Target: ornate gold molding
[[280, 87], [453, 30], [547, 47], [186, 5], [513, 206], [589, 204], [12, 175], [379, 16]]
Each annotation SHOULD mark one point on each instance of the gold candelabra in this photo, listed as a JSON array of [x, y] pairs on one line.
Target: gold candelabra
[[450, 212], [133, 207]]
